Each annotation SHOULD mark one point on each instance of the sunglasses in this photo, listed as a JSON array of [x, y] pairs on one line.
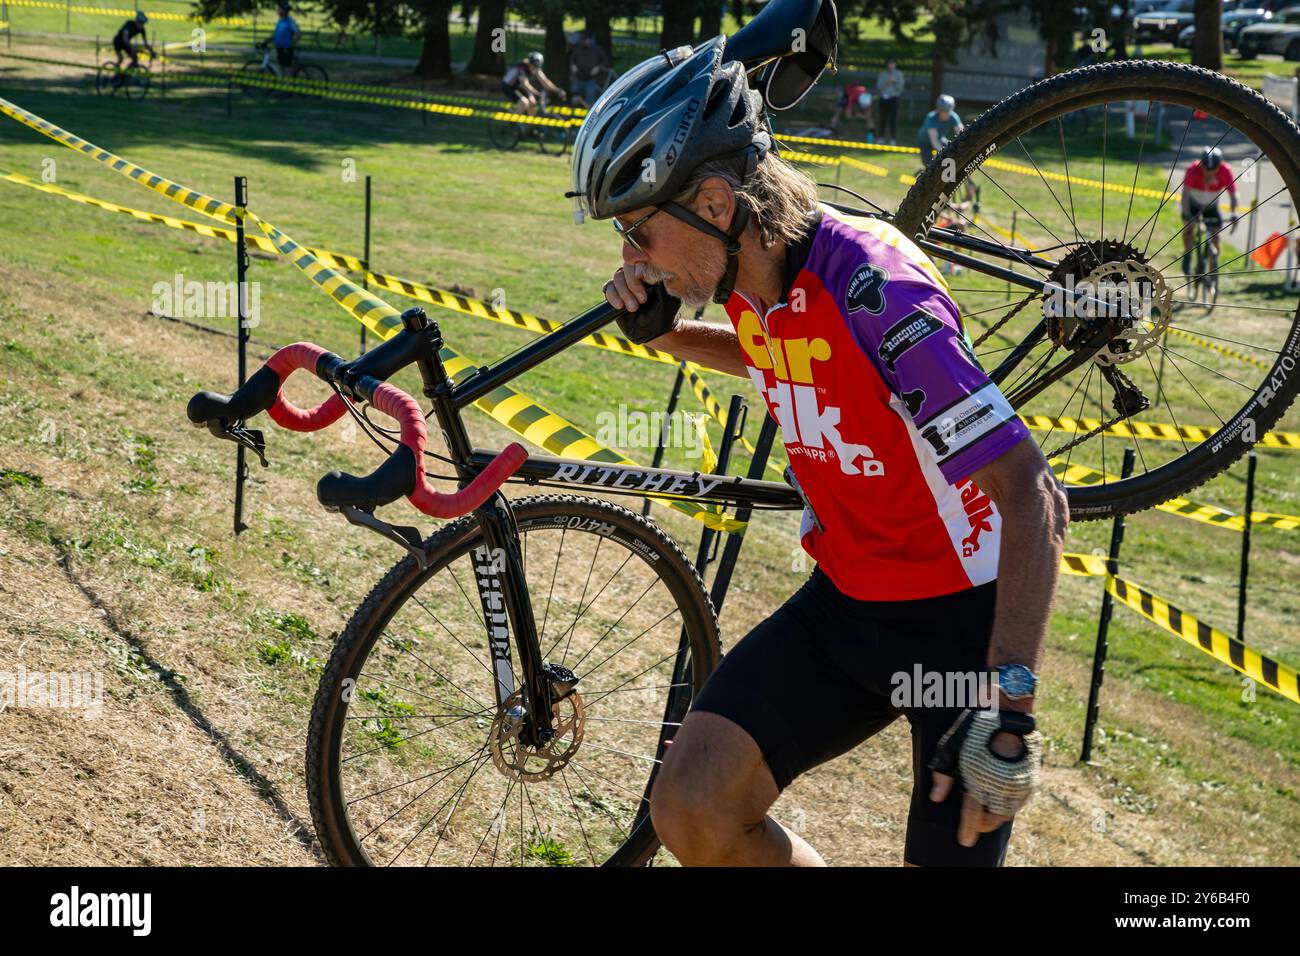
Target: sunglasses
[[626, 234]]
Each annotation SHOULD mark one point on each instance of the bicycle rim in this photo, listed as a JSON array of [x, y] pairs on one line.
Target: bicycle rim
[[411, 761], [1086, 208]]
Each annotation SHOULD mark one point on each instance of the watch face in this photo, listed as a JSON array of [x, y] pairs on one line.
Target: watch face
[[1016, 680]]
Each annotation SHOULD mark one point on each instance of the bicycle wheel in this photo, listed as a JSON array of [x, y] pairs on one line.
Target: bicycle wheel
[[504, 133], [550, 139], [1075, 123], [1102, 212], [411, 761], [311, 73], [136, 83], [255, 72], [104, 79]]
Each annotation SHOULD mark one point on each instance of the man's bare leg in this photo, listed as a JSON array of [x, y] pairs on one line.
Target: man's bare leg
[[711, 798]]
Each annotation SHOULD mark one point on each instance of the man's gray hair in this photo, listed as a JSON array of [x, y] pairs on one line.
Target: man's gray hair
[[781, 198]]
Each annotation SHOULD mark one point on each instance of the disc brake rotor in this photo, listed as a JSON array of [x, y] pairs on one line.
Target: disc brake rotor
[[516, 758]]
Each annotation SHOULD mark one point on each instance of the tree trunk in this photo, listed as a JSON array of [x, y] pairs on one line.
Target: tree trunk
[[937, 65], [435, 54], [556, 48], [1207, 50], [489, 39], [679, 24], [710, 20], [598, 24]]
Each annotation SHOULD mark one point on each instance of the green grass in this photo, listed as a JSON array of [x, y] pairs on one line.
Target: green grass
[[452, 212]]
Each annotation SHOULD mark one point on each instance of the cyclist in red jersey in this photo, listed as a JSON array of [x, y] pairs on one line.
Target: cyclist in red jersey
[[1205, 181], [935, 526]]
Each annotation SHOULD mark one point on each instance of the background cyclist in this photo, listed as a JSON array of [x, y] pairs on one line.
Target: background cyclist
[[123, 41], [285, 38], [940, 126], [525, 82], [1204, 182]]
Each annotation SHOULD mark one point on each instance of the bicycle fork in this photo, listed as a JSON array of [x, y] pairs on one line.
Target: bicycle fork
[[498, 572]]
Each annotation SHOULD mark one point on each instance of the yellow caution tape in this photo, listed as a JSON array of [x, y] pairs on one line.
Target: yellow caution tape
[[1084, 564], [1073, 474], [1222, 350], [521, 414], [339, 259], [214, 208], [1149, 430], [1175, 620], [516, 411], [123, 12]]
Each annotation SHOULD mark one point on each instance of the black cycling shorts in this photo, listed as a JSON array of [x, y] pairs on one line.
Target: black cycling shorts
[[815, 679], [513, 93], [1211, 213]]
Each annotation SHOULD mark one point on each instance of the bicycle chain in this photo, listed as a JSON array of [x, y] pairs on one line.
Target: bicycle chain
[[1006, 318], [1100, 428]]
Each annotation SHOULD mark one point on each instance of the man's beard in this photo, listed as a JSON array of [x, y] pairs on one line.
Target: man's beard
[[714, 262]]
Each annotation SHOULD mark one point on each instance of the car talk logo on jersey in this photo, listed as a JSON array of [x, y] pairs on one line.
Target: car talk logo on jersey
[[808, 429]]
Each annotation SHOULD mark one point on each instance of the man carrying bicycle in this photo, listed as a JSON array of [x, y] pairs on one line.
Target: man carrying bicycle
[[124, 45], [285, 38], [935, 527], [525, 83], [1204, 182]]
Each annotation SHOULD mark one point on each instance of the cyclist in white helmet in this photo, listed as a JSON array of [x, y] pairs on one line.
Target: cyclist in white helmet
[[915, 470], [526, 84]]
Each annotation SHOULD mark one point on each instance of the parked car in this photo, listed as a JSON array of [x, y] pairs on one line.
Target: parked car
[[1165, 24], [1233, 24], [1281, 34]]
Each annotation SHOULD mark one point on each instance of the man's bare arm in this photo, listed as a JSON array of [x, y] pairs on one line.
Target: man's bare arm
[[1035, 513], [706, 343]]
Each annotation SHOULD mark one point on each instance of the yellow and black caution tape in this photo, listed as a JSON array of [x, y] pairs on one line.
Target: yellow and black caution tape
[[213, 208], [516, 411], [125, 13], [1149, 430], [1225, 649], [1221, 349], [203, 229], [1074, 474], [521, 414]]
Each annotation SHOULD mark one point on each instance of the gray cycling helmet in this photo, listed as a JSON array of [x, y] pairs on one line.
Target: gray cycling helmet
[[656, 125]]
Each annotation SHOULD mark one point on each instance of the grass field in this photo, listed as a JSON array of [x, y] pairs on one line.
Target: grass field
[[115, 536]]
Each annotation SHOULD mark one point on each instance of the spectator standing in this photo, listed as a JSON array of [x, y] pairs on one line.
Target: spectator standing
[[889, 86], [587, 63]]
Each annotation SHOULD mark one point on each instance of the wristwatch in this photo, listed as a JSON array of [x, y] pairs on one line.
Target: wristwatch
[[1016, 681]]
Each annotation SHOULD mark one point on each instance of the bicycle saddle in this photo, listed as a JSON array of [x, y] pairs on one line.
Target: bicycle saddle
[[794, 40]]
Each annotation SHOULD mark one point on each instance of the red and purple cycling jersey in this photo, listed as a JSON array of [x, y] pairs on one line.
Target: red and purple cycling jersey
[[884, 412]]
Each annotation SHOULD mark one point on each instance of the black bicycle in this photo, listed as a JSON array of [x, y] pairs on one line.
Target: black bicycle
[[507, 691], [130, 79], [550, 131]]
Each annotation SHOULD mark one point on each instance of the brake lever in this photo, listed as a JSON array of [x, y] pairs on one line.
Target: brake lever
[[250, 438], [404, 535]]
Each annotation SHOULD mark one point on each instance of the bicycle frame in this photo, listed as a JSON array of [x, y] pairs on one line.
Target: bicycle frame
[[503, 590]]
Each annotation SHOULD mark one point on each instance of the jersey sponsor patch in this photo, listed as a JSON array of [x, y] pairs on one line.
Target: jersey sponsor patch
[[866, 290], [914, 400], [966, 421], [909, 331]]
